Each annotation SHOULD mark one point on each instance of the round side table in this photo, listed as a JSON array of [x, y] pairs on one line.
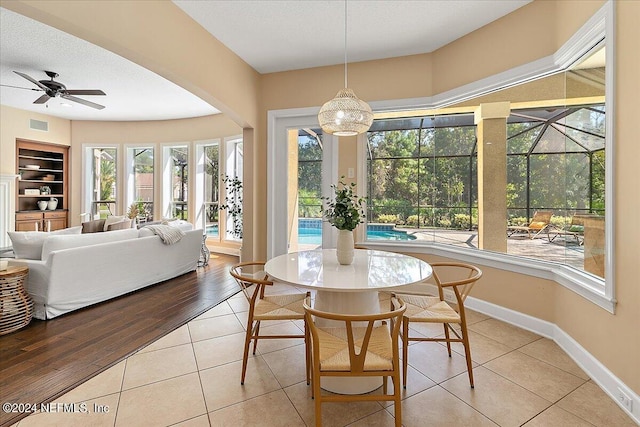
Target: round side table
[[16, 306]]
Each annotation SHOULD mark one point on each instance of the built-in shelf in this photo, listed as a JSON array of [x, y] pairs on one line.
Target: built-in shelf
[[52, 160], [41, 196], [40, 181], [48, 159]]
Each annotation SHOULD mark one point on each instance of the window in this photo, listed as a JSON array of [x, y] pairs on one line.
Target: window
[[233, 188], [211, 188], [309, 209], [103, 180], [422, 181], [588, 42], [421, 178], [178, 181], [140, 185]]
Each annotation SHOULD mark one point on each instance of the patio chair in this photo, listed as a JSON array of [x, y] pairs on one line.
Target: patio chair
[[539, 223], [356, 346], [267, 307], [458, 277], [575, 229]]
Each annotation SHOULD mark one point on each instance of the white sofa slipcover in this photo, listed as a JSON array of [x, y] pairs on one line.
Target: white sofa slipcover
[[81, 270]]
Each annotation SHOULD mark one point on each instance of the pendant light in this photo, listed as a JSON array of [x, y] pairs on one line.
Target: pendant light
[[345, 115]]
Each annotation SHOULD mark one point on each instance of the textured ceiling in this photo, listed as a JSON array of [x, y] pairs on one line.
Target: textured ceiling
[[280, 35], [133, 92], [273, 35]]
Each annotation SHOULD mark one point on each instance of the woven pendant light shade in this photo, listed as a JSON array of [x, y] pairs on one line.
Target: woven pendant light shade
[[345, 115]]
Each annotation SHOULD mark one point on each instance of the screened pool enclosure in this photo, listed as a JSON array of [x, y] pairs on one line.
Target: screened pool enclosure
[[422, 177]]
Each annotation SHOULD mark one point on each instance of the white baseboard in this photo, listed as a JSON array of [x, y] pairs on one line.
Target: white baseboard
[[224, 250], [599, 373]]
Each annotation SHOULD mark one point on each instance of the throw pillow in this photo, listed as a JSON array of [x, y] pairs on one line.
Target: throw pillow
[[28, 244], [122, 225], [113, 220], [93, 226]]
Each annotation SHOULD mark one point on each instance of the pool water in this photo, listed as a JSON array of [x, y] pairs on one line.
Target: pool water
[[212, 230], [313, 236]]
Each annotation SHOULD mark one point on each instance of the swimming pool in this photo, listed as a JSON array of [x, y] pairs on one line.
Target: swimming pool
[[310, 232], [311, 235], [212, 230]]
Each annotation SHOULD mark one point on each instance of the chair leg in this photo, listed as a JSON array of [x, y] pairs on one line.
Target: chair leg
[[397, 402], [255, 340], [307, 352], [245, 354], [384, 385], [405, 350], [448, 337], [318, 400], [467, 352]]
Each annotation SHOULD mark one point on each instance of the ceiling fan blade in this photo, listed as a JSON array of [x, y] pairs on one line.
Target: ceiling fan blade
[[20, 87], [32, 80], [83, 102], [84, 92], [44, 98]]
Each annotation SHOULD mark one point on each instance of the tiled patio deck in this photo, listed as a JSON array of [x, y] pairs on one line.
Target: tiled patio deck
[[560, 250]]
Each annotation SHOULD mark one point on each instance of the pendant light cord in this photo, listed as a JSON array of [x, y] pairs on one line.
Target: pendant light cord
[[345, 44]]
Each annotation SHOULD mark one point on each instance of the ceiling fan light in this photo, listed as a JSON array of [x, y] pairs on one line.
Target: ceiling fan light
[[345, 114]]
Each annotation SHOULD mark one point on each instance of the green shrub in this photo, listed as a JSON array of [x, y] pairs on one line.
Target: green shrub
[[461, 221], [412, 220], [444, 222], [387, 219]]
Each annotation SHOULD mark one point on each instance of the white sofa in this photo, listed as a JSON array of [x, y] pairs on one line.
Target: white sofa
[[76, 271]]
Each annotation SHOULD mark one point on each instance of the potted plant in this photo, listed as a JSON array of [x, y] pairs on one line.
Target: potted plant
[[233, 204], [345, 211]]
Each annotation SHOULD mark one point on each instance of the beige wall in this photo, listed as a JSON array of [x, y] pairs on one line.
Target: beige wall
[[15, 125], [532, 32]]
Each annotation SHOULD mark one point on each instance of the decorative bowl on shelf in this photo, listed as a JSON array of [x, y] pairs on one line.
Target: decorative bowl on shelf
[[33, 167], [48, 177]]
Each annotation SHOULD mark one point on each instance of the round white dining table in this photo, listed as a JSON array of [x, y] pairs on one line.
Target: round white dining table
[[348, 289]]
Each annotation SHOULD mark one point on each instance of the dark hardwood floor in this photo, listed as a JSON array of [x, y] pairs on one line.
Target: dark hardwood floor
[[46, 359]]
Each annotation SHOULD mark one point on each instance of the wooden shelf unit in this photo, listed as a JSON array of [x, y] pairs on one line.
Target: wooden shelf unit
[[53, 172]]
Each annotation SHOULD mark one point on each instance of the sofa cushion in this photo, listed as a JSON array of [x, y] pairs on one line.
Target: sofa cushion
[[121, 225], [28, 244], [114, 219], [93, 226], [56, 243]]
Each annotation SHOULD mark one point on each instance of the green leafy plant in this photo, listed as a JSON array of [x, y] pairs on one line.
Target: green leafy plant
[[233, 203], [346, 210], [133, 211]]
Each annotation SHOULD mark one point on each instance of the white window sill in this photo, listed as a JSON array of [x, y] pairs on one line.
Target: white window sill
[[584, 284]]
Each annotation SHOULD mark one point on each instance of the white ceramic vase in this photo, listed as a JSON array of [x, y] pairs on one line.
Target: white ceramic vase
[[344, 250], [52, 204]]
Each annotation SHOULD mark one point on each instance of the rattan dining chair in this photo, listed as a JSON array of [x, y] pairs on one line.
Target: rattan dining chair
[[253, 281], [356, 346], [460, 278]]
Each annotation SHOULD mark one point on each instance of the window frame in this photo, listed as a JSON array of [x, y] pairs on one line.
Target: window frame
[[166, 199], [87, 174], [129, 176], [200, 217]]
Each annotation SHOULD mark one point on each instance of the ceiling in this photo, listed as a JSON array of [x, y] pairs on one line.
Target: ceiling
[[270, 35]]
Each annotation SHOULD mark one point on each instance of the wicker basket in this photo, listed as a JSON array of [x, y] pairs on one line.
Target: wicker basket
[[16, 306]]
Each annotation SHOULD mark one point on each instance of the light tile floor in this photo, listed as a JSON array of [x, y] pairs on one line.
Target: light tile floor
[[191, 377]]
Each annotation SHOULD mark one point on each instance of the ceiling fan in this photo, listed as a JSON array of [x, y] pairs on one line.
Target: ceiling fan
[[53, 88]]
